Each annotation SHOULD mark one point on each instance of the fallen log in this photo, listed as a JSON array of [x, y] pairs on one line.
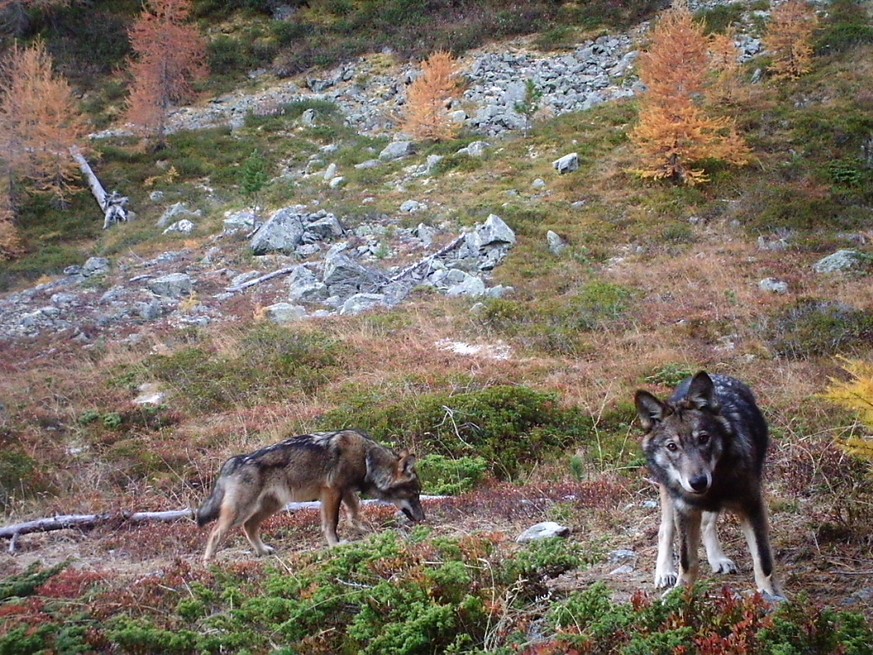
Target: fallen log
[[427, 260], [263, 278], [114, 206], [87, 521]]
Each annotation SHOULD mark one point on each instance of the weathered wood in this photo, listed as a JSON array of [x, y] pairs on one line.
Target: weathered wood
[[114, 206], [439, 253], [263, 278], [86, 521], [67, 521]]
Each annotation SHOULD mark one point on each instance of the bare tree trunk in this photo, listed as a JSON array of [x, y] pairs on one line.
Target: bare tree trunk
[[85, 521], [113, 205]]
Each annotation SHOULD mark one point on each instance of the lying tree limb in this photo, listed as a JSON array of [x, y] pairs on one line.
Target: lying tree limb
[[439, 253], [85, 521], [263, 278], [114, 206]]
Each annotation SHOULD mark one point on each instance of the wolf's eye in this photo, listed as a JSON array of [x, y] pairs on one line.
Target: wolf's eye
[[703, 438], [672, 447]]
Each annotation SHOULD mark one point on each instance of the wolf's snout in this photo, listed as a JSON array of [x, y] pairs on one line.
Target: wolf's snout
[[413, 511], [699, 484]]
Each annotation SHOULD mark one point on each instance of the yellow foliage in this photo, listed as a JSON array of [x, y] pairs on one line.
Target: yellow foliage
[[39, 120], [727, 86], [429, 98], [789, 38], [674, 131], [856, 394]]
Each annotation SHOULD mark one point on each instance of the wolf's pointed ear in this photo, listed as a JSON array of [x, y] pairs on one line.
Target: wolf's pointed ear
[[650, 409], [406, 463], [701, 392]]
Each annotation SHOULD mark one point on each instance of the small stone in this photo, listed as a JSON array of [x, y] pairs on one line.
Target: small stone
[[557, 245], [150, 394], [567, 163], [546, 530], [621, 555], [772, 285], [283, 313], [174, 285], [840, 261], [180, 227], [412, 206], [95, 266], [362, 302], [397, 150]]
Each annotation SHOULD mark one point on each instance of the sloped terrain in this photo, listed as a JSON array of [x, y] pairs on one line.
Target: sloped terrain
[[121, 394]]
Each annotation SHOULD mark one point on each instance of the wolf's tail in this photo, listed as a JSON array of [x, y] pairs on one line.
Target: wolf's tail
[[211, 507]]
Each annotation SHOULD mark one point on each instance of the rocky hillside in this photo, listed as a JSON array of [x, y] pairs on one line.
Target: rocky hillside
[[491, 302]]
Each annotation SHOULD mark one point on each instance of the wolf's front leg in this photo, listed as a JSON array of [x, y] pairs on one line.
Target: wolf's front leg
[[688, 525], [353, 505], [665, 571], [330, 508], [755, 528], [719, 562]]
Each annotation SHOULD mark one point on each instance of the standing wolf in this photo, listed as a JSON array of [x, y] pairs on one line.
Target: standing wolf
[[328, 466], [706, 448]]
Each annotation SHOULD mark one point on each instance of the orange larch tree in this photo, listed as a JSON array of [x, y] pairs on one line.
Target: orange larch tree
[[40, 121], [726, 86], [169, 55], [789, 38], [674, 133], [429, 98]]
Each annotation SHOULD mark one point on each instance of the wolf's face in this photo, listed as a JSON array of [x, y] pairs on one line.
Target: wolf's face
[[397, 482], [685, 447], [684, 440]]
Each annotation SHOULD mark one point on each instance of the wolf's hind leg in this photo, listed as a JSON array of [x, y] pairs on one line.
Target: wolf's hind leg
[[665, 571], [719, 562], [252, 525], [227, 520]]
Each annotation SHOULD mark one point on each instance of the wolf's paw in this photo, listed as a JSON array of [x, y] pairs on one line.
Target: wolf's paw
[[665, 579], [265, 550], [723, 565]]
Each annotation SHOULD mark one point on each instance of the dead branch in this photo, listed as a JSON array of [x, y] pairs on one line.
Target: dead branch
[[263, 278], [114, 206], [427, 260], [87, 521]]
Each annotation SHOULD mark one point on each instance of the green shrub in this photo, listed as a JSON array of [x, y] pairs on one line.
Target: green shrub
[[814, 328], [671, 375], [548, 558], [849, 172], [254, 175], [272, 363], [446, 476], [510, 427], [25, 584], [846, 26], [19, 474], [717, 19]]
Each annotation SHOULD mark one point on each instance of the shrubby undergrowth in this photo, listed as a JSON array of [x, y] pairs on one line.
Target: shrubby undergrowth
[[404, 595]]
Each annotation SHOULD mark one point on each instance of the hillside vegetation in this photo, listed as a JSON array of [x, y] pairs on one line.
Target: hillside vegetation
[[534, 422]]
